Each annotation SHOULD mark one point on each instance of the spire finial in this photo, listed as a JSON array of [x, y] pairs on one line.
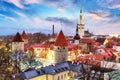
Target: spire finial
[[81, 15]]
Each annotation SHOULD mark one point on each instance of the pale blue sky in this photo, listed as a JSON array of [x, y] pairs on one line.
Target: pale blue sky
[[99, 16]]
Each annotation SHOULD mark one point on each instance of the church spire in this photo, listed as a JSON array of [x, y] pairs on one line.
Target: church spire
[[53, 29], [81, 21], [53, 32]]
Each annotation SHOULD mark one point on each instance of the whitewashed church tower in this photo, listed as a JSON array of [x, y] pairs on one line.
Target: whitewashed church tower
[[81, 26], [60, 48]]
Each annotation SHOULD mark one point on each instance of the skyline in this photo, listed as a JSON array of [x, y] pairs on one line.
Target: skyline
[[40, 15]]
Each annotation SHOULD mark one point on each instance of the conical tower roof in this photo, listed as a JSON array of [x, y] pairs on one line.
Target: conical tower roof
[[24, 36], [61, 40], [17, 38]]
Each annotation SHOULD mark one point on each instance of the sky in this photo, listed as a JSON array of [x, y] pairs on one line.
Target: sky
[[99, 16]]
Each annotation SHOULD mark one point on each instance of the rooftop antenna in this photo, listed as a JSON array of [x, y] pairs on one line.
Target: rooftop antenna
[[61, 25]]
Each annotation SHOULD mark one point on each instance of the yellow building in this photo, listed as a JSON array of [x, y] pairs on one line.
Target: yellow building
[[59, 71]]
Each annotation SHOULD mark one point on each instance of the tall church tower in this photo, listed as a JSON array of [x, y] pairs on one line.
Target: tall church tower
[[60, 48], [81, 26]]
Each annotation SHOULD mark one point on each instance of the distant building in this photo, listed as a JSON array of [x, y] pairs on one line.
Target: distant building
[[76, 38], [80, 26], [24, 37], [53, 36], [60, 48], [59, 71], [17, 43]]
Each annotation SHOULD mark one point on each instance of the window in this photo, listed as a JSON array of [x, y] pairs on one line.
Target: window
[[58, 48], [63, 47]]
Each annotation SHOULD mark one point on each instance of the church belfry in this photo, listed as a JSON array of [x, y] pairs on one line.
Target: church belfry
[[81, 25]]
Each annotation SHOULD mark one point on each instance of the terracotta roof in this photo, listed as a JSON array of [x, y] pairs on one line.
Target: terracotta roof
[[31, 48], [96, 43], [24, 36], [87, 40], [17, 38], [61, 40], [72, 46], [90, 59]]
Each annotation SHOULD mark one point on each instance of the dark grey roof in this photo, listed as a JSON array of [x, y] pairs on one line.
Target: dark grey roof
[[76, 67], [77, 37], [53, 69], [29, 74]]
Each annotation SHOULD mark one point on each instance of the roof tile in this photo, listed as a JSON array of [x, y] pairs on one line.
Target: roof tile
[[17, 38], [61, 40], [24, 36]]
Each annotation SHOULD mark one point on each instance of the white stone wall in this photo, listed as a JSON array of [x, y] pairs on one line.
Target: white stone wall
[[76, 41], [45, 62], [81, 30], [25, 41], [61, 53], [17, 46], [111, 65]]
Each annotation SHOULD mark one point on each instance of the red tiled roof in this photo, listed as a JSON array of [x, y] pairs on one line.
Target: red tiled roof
[[87, 40], [17, 38], [30, 48], [72, 46], [91, 59], [24, 36], [61, 40], [36, 45], [96, 43]]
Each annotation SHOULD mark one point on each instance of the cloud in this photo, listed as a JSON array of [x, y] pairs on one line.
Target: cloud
[[32, 1], [61, 20], [95, 16], [8, 18], [111, 4], [115, 6], [99, 14], [20, 14], [16, 3], [114, 19]]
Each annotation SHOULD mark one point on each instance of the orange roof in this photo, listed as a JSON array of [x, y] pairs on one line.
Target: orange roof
[[17, 38], [61, 40], [24, 36], [91, 59], [87, 40], [30, 48]]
